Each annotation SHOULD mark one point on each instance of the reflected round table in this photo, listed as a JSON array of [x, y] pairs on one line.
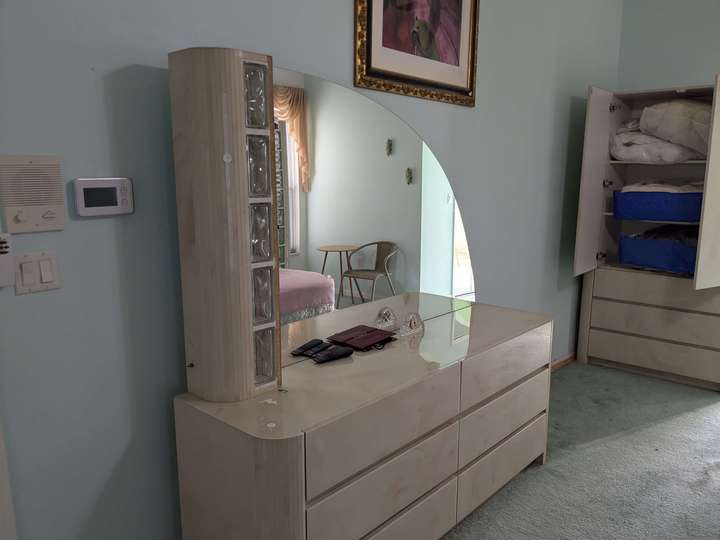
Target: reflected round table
[[340, 249]]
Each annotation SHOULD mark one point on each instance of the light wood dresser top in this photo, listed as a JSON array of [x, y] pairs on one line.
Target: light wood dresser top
[[314, 394]]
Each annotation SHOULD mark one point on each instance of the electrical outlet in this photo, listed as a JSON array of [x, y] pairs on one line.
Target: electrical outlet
[[7, 261]]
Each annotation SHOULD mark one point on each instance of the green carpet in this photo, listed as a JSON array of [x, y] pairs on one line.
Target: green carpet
[[629, 457]]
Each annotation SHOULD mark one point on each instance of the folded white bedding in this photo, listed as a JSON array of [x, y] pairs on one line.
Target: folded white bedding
[[629, 144], [658, 187], [680, 121]]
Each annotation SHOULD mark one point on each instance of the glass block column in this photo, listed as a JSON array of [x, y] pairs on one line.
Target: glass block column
[[224, 149], [264, 246]]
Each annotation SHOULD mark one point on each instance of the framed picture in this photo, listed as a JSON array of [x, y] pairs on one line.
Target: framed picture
[[420, 48]]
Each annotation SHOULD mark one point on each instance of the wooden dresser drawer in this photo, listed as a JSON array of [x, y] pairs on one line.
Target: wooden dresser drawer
[[366, 503], [655, 289], [482, 479], [491, 423], [351, 443], [503, 365], [428, 519], [668, 324], [684, 360]]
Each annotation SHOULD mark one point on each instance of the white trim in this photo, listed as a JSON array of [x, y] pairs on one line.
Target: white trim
[[264, 326]]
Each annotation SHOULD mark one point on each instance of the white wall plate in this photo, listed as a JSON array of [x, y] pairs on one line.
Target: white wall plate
[[36, 272]]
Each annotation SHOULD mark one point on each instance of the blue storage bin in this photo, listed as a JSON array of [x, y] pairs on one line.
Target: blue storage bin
[[657, 206], [658, 254]]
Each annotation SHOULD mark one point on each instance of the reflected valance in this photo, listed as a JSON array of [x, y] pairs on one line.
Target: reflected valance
[[290, 108]]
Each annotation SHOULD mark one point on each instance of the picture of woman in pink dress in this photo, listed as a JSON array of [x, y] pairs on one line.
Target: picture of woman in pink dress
[[426, 28]]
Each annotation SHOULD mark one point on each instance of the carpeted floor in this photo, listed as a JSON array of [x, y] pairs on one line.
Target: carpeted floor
[[629, 457]]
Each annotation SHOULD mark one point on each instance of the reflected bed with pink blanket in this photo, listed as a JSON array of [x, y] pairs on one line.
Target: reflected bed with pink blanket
[[304, 295]]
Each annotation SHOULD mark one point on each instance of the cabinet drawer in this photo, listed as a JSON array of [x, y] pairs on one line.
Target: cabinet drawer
[[487, 426], [496, 369], [688, 361], [655, 289], [668, 324], [361, 506], [482, 479], [428, 519], [351, 443]]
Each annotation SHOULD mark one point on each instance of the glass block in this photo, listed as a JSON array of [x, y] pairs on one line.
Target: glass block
[[262, 295], [255, 97], [281, 218], [258, 166], [280, 198], [260, 232], [264, 355]]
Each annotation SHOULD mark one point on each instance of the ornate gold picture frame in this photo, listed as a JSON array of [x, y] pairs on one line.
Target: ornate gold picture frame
[[419, 48]]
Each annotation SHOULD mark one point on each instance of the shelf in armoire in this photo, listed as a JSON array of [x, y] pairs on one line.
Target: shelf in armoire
[[689, 162], [610, 214]]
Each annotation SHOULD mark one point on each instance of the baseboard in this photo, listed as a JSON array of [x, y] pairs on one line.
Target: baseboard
[[562, 362]]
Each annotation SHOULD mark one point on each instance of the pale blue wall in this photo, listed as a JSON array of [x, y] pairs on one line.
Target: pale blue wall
[[359, 194], [438, 211], [87, 373], [666, 43]]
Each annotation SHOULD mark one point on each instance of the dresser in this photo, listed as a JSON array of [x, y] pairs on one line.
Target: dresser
[[651, 323], [398, 443]]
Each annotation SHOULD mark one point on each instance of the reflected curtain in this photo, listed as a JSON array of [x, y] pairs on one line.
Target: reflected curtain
[[289, 105]]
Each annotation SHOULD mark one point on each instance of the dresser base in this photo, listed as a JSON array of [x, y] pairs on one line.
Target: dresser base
[[699, 383]]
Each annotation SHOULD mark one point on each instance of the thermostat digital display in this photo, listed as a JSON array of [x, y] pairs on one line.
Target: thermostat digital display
[[103, 196]]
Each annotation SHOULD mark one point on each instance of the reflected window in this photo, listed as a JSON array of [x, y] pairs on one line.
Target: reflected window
[[293, 193], [463, 282]]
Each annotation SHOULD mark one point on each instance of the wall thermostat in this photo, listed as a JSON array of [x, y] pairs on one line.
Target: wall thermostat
[[104, 196]]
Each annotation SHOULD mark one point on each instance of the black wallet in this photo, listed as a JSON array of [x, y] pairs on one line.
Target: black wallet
[[322, 352], [303, 349], [333, 352]]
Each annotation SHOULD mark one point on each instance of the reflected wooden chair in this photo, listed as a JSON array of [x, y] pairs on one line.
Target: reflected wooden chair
[[385, 251]]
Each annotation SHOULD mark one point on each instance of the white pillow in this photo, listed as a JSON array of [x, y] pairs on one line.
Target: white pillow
[[681, 121]]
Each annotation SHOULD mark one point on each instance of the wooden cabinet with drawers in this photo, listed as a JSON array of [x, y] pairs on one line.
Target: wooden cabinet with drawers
[[400, 443], [651, 323], [637, 318]]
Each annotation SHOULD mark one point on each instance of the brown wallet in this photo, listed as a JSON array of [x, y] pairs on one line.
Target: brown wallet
[[362, 338]]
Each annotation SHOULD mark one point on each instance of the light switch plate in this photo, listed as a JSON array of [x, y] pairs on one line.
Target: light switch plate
[[42, 273]]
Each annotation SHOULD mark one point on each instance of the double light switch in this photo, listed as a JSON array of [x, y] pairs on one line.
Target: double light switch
[[36, 272]]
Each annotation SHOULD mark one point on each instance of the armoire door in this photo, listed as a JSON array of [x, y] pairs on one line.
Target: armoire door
[[591, 237], [707, 267]]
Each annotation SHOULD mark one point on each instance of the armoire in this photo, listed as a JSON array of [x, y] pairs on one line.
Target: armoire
[[655, 323]]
